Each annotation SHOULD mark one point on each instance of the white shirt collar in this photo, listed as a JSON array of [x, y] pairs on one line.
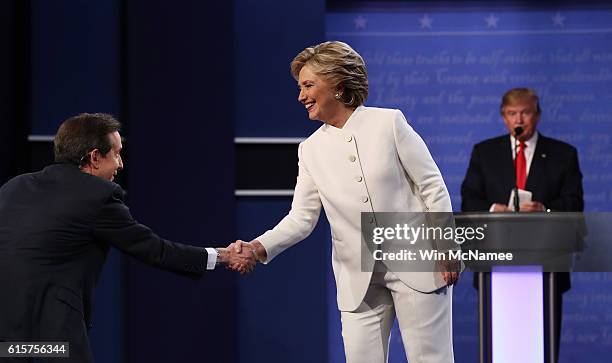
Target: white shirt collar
[[531, 143]]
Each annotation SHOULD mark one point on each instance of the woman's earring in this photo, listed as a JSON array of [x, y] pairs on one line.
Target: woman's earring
[[337, 95]]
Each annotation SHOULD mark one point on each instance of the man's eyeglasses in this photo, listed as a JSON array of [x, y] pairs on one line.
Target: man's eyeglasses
[[85, 158]]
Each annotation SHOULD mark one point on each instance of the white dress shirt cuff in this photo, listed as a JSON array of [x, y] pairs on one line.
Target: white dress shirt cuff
[[212, 258]]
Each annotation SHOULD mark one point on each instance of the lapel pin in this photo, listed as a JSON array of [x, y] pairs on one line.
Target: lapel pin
[[543, 156]]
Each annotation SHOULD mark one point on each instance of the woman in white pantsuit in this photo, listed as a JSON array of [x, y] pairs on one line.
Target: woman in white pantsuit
[[364, 159]]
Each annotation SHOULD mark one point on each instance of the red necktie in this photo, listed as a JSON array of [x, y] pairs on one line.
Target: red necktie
[[521, 167]]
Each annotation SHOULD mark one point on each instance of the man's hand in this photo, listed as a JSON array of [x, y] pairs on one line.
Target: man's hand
[[532, 207], [256, 246], [500, 208], [254, 250], [243, 262]]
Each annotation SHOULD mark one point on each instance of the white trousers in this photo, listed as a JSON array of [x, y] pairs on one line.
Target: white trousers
[[425, 322]]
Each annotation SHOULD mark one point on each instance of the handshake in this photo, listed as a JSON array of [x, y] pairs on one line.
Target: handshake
[[242, 256]]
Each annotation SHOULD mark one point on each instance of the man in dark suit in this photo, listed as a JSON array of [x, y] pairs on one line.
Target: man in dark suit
[[56, 229], [546, 167]]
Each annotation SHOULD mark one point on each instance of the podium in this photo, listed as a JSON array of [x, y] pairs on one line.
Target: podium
[[516, 307]]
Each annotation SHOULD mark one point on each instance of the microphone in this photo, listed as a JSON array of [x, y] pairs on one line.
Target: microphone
[[518, 131]]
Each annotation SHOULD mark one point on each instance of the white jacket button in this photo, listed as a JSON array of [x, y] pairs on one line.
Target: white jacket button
[[358, 178], [364, 199], [349, 138], [352, 158]]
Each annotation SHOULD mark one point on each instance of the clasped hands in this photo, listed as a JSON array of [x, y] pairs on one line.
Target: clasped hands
[[532, 206], [242, 256]]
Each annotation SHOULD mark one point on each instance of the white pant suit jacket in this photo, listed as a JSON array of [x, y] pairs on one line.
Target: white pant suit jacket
[[375, 163]]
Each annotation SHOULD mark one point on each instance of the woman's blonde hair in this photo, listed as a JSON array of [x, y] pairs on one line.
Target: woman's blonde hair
[[340, 65]]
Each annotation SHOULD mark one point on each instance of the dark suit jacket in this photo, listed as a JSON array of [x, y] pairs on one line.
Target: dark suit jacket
[[56, 228], [554, 178]]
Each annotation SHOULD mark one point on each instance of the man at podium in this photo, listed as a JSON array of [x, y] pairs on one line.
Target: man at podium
[[544, 172]]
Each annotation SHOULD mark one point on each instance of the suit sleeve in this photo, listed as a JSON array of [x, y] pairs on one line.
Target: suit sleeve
[[420, 166], [473, 198], [115, 225], [301, 219], [570, 198]]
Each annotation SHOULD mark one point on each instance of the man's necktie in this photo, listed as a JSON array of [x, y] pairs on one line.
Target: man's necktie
[[521, 167]]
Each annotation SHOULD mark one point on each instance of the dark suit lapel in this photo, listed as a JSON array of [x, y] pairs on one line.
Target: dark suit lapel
[[506, 165], [537, 170]]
